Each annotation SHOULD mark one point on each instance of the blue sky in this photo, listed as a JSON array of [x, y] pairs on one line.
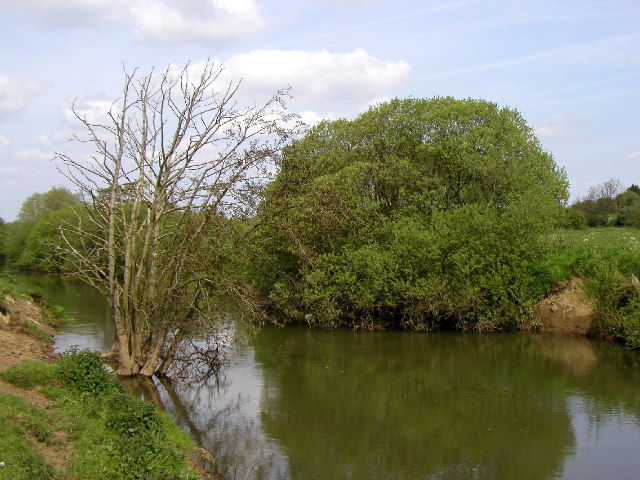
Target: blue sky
[[572, 68]]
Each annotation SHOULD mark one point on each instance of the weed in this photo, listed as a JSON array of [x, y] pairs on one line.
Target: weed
[[83, 371], [608, 259]]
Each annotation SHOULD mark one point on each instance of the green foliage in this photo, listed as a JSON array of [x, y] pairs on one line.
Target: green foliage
[[114, 436], [32, 240], [617, 300], [9, 285], [419, 213], [139, 438], [83, 371], [574, 219], [122, 438], [39, 204], [3, 239], [16, 238]]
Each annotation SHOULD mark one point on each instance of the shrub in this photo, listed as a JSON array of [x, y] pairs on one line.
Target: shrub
[[83, 371]]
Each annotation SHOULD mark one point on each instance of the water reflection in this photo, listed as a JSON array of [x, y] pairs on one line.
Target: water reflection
[[305, 404], [384, 406]]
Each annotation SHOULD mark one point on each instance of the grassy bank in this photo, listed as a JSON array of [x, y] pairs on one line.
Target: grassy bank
[[90, 429], [70, 418], [608, 260]]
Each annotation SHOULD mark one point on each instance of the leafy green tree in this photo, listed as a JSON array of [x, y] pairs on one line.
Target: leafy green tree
[[628, 203], [25, 244], [419, 213], [39, 204], [607, 204], [43, 245]]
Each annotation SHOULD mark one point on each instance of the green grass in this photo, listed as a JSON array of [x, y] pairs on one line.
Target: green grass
[[23, 426], [608, 259], [612, 243], [29, 374], [572, 252], [112, 436]]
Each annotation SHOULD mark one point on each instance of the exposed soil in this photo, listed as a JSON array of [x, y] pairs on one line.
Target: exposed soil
[[19, 334], [568, 311]]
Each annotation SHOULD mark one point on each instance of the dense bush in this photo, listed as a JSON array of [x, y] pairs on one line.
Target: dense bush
[[83, 371], [419, 213], [30, 241]]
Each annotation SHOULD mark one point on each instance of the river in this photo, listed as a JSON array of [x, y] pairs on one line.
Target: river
[[305, 404]]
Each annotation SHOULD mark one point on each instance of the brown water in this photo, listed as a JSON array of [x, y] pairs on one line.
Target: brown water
[[307, 404]]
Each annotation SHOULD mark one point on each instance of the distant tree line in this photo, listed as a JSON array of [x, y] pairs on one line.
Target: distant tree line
[[606, 204], [29, 241]]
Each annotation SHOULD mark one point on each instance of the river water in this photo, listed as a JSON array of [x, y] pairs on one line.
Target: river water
[[307, 404]]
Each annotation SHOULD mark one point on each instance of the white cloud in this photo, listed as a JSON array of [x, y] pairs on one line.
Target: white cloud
[[4, 142], [207, 22], [342, 3], [210, 22], [313, 118], [68, 12], [16, 92], [364, 106], [94, 111], [32, 156], [319, 76], [560, 129], [633, 156]]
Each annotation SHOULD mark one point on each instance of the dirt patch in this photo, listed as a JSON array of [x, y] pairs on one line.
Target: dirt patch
[[568, 311], [19, 332], [19, 329]]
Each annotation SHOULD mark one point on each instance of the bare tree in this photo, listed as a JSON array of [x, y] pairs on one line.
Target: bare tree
[[607, 189], [176, 162]]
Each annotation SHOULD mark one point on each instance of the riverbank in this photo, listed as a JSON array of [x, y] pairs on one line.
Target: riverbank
[[65, 417]]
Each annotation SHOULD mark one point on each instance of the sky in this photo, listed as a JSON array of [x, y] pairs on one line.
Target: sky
[[570, 67]]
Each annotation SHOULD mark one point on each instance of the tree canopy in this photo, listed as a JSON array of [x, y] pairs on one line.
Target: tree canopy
[[39, 204], [418, 213]]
